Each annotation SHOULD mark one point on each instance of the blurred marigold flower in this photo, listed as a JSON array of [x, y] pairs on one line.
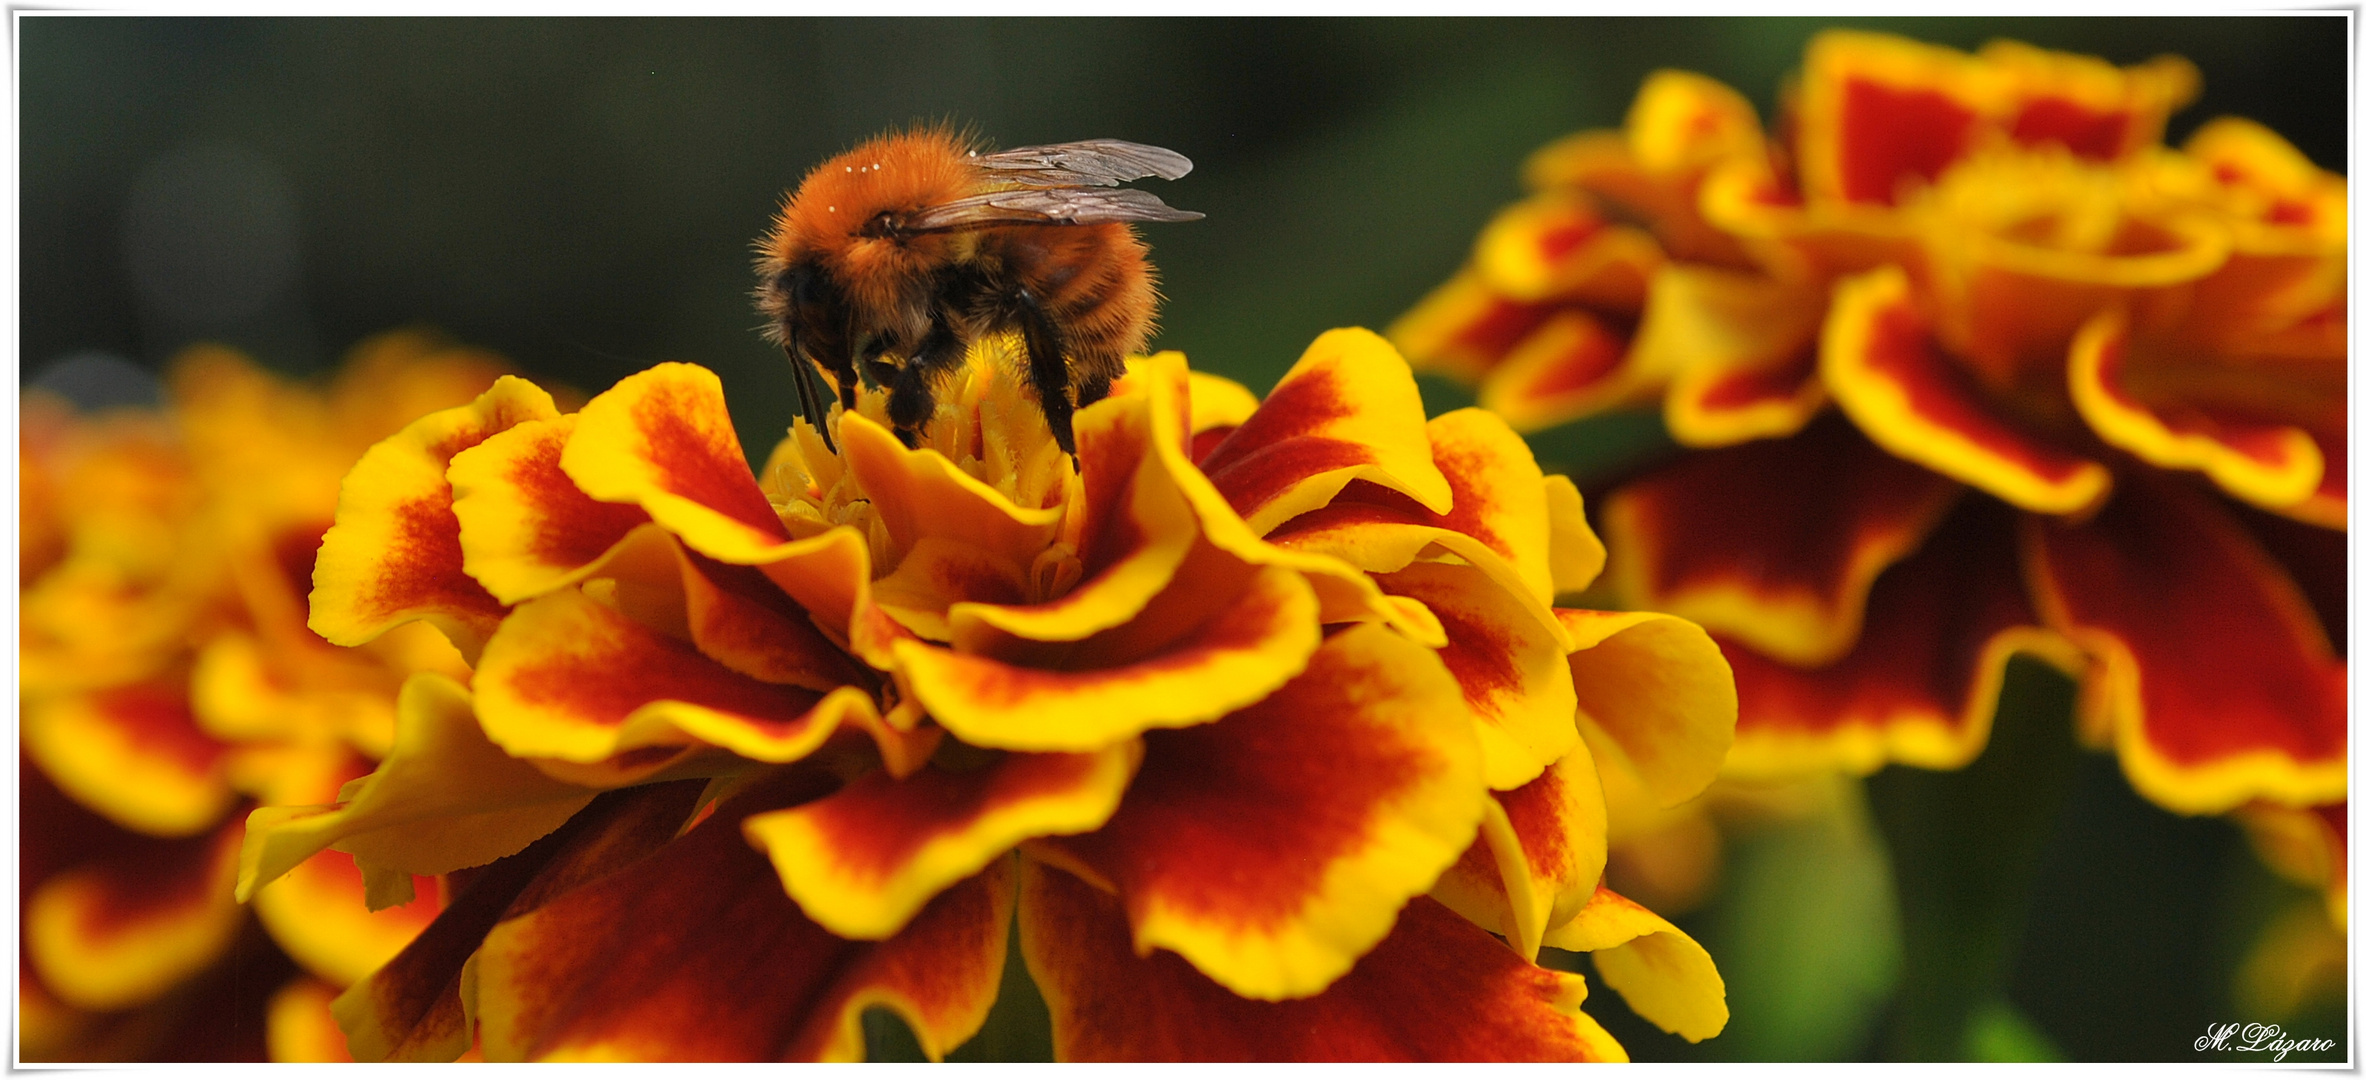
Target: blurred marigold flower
[[167, 683], [1256, 720], [1966, 365]]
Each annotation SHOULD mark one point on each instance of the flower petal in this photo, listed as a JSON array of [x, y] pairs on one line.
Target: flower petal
[[1436, 989], [394, 554], [1742, 352], [1464, 328], [1882, 366], [2261, 461], [1774, 543], [125, 929], [1654, 696], [1878, 113], [133, 753], [2215, 677], [1574, 364], [1557, 246], [744, 621], [662, 439], [1577, 554], [1513, 669], [865, 859], [319, 915], [572, 679], [1498, 522], [412, 1009], [1540, 856], [1921, 686], [525, 528], [1347, 410], [444, 798], [2085, 105], [1222, 636], [1666, 977], [919, 493], [1275, 847], [1135, 529], [694, 954]]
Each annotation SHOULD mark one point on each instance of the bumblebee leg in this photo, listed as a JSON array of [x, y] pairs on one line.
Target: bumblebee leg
[[1047, 368], [1091, 388], [912, 400]]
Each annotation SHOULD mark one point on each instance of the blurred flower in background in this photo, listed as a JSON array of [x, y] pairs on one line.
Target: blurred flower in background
[[167, 684], [1967, 365], [1269, 696]]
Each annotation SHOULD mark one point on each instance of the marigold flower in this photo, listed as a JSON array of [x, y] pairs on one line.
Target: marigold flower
[[1968, 366], [167, 682], [1255, 717]]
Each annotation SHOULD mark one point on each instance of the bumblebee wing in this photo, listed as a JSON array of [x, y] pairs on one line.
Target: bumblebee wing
[[1091, 163], [1046, 206]]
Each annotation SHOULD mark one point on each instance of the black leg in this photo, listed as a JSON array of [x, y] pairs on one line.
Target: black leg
[[1090, 389], [912, 400], [1047, 368], [809, 392]]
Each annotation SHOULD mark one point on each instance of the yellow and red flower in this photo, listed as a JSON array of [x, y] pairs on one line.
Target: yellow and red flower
[[167, 683], [1255, 718], [1967, 365]]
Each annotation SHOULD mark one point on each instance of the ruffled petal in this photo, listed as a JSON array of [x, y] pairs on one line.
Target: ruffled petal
[[1772, 543], [573, 679], [1878, 114], [1666, 977], [2085, 105], [2257, 460], [412, 1008], [394, 554], [444, 798], [1464, 328], [525, 528], [1921, 686], [662, 439], [1223, 636], [133, 753], [1539, 857], [744, 621], [694, 954], [1883, 367], [124, 929], [1135, 529], [1347, 410], [1436, 989], [1574, 364], [2214, 675], [920, 493], [1654, 697], [864, 860], [1742, 352], [319, 915], [1273, 848], [1513, 669], [1498, 522], [1557, 246]]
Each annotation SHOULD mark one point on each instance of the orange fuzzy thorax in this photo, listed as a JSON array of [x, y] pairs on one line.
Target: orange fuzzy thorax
[[902, 172]]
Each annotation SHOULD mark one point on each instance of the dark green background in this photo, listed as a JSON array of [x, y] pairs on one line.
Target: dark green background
[[581, 195]]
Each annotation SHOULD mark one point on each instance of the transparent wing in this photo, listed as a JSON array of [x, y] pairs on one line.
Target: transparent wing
[[1091, 163], [1046, 206]]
